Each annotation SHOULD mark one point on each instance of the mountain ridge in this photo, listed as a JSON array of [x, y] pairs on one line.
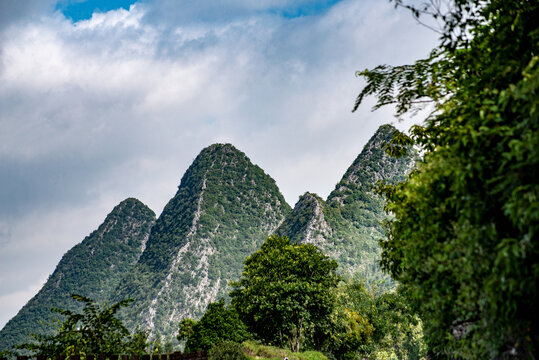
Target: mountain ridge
[[348, 224], [93, 267], [223, 210]]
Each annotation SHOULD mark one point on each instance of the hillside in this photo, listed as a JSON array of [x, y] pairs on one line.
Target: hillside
[[223, 210], [348, 225], [92, 268]]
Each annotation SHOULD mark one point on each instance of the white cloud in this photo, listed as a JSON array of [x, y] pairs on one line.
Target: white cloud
[[120, 104], [106, 21]]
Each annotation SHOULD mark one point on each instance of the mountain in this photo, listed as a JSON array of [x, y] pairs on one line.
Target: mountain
[[348, 225], [93, 268], [224, 209]]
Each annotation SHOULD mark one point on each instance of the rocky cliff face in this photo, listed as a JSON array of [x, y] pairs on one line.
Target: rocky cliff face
[[93, 268], [307, 223], [347, 226], [224, 209]]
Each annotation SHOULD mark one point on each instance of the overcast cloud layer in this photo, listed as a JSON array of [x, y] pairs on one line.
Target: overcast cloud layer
[[119, 105]]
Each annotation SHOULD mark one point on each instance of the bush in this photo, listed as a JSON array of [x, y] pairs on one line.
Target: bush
[[219, 323], [227, 350]]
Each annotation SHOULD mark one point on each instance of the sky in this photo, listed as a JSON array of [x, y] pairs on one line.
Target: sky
[[103, 100]]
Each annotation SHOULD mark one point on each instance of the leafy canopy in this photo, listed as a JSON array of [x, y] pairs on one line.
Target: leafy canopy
[[285, 291], [370, 324], [464, 240], [219, 323]]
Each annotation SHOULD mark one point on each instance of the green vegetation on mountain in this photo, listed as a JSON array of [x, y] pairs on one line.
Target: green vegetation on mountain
[[93, 268], [464, 240], [348, 225], [224, 209]]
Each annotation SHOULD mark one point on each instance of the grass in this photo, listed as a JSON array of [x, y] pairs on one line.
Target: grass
[[257, 351]]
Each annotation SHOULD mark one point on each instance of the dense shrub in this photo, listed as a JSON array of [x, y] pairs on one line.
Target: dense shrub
[[227, 350]]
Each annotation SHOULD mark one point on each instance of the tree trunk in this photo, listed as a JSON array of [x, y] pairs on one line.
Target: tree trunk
[[295, 336]]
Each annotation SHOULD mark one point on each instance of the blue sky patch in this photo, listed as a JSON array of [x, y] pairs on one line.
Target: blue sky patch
[[83, 9], [309, 8]]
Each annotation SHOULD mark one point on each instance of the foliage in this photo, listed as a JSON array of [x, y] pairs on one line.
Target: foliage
[[369, 324], [256, 350], [464, 240], [286, 291], [398, 332], [94, 331], [351, 326], [227, 350], [138, 343], [186, 328], [219, 323], [5, 354]]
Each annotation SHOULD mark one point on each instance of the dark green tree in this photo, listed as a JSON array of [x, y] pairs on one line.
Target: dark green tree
[[219, 323], [464, 240], [285, 291], [96, 330]]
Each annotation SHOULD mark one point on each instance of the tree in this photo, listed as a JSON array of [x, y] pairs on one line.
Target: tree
[[138, 342], [219, 323], [351, 329], [369, 324], [186, 329], [285, 291], [96, 330], [464, 239]]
